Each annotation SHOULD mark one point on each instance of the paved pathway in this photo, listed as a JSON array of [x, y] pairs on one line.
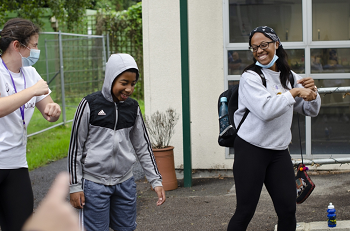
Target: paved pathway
[[210, 202], [43, 177]]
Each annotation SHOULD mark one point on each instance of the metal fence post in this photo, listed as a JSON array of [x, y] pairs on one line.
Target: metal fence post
[[104, 53], [47, 63], [62, 78], [108, 52]]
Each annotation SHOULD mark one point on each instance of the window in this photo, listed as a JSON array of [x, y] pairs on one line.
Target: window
[[238, 60], [330, 20], [330, 129], [296, 60], [284, 16], [316, 37], [330, 60]]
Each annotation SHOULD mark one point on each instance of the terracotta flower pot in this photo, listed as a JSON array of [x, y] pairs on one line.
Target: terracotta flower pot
[[165, 162]]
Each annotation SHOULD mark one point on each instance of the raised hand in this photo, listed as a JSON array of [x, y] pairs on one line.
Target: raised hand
[[307, 94], [52, 110], [309, 83], [40, 88]]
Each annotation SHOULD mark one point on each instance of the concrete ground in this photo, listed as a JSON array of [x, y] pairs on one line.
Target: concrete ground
[[210, 202]]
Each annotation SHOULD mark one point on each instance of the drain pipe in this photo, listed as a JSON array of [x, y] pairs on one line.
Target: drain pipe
[[185, 81]]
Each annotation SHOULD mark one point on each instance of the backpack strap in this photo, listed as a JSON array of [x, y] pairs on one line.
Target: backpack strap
[[257, 69]]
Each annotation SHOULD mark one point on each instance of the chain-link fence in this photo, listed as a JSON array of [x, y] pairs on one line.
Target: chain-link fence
[[73, 65]]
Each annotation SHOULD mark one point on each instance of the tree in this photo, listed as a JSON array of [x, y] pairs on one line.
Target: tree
[[69, 12], [114, 5]]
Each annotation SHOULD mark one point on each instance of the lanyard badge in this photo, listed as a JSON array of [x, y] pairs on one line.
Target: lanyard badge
[[24, 136]]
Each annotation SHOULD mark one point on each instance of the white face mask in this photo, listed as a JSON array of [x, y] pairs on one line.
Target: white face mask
[[274, 59], [31, 59]]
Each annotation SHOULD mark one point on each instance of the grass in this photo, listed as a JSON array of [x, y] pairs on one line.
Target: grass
[[38, 123], [53, 144], [48, 146]]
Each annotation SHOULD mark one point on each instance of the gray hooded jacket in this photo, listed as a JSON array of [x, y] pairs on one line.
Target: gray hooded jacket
[[106, 136]]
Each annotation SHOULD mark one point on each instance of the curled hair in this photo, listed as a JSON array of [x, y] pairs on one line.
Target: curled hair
[[17, 29], [133, 70], [282, 66]]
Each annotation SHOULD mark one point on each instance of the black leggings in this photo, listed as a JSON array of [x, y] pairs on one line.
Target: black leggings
[[253, 167], [16, 198]]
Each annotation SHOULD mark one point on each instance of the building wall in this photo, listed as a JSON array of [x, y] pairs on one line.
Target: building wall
[[162, 73]]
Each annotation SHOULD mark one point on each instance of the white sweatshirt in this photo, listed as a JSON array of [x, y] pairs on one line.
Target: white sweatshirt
[[271, 109]]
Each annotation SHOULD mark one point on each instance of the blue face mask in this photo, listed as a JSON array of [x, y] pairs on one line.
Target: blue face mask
[[275, 57], [31, 59]]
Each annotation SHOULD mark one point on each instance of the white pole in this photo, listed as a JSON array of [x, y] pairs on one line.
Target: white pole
[[333, 90], [322, 161]]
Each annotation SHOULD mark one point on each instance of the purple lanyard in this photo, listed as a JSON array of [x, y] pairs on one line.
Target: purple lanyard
[[14, 86]]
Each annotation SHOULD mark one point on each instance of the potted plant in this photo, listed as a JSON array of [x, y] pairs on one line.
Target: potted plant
[[160, 127]]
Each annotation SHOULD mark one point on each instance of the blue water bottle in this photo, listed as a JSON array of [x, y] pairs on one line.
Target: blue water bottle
[[223, 116], [331, 216]]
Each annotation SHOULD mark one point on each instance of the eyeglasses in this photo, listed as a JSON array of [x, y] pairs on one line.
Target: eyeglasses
[[262, 46]]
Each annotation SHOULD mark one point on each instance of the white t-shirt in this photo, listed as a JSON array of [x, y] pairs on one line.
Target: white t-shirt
[[12, 151]]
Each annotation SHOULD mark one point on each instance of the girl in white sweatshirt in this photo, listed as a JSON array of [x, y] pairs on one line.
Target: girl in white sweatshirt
[[261, 145]]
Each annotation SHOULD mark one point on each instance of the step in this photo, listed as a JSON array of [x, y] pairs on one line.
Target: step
[[322, 226]]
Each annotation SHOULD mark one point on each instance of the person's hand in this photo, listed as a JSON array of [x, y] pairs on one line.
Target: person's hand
[[307, 94], [52, 110], [161, 195], [40, 88], [54, 213], [77, 200], [308, 82]]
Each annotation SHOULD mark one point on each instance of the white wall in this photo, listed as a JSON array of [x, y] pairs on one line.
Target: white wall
[[162, 67]]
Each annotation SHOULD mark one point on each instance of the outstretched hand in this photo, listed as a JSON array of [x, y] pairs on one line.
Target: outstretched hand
[[54, 213], [40, 88], [161, 195]]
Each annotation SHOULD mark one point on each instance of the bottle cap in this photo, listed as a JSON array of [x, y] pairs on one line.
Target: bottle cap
[[330, 206], [223, 99]]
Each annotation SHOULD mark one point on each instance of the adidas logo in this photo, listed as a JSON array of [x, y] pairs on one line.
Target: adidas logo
[[101, 113]]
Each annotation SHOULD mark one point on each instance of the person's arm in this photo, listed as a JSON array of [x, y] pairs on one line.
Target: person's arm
[[305, 89], [304, 93], [11, 103], [256, 97], [80, 132], [143, 150], [50, 110], [54, 213]]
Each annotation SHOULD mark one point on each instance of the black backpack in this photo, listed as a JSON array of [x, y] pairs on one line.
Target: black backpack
[[227, 139]]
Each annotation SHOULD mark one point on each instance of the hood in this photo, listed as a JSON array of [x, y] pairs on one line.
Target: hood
[[117, 64]]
